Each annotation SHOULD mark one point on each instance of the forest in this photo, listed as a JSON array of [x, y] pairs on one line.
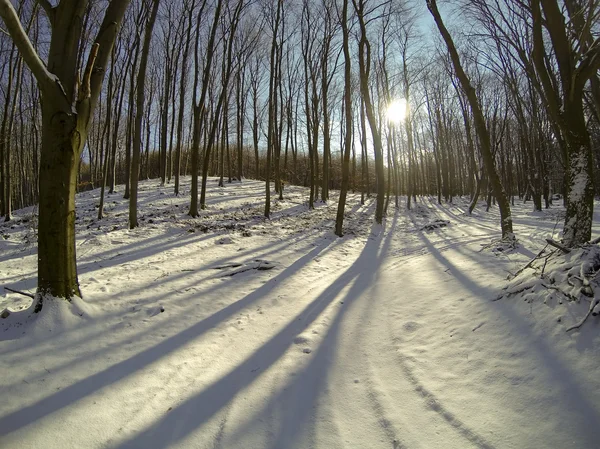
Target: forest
[[299, 92], [299, 224]]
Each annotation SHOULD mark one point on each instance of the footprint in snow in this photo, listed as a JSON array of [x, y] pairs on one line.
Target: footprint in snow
[[411, 326], [153, 311], [301, 340]]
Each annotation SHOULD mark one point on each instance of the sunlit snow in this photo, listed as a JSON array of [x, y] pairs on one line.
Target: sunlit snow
[[233, 331]]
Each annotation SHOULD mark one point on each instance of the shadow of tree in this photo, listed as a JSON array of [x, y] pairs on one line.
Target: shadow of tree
[[195, 411], [121, 370]]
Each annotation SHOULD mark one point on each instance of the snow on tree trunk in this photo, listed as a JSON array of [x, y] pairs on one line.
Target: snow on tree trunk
[[580, 199]]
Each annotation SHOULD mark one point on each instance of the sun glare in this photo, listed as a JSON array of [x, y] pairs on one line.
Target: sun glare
[[396, 111]]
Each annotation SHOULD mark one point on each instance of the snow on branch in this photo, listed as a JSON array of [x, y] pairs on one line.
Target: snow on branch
[[571, 279]]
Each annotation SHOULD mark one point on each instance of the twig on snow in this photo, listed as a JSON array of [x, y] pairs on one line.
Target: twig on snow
[[589, 312], [545, 263], [29, 295], [531, 261], [554, 287], [511, 293]]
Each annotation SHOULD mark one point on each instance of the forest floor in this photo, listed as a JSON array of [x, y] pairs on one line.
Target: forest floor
[[232, 331]]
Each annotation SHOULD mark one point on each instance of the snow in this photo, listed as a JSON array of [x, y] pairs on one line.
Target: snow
[[233, 331]]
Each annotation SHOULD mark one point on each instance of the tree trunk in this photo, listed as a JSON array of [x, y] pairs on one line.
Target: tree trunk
[[66, 110], [348, 125], [137, 136], [480, 125], [364, 59]]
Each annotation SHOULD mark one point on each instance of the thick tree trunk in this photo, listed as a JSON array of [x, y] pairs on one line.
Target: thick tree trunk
[[66, 110], [580, 200], [61, 143]]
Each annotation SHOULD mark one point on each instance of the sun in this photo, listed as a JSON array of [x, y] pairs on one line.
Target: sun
[[396, 111]]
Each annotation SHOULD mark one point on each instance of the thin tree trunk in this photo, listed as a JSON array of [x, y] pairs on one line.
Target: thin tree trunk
[[137, 137]]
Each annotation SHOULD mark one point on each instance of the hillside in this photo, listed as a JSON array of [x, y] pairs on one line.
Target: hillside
[[233, 331]]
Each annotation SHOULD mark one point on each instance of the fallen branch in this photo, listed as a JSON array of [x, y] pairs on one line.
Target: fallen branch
[[511, 293], [589, 312], [545, 263], [560, 246], [29, 295], [554, 287], [530, 262]]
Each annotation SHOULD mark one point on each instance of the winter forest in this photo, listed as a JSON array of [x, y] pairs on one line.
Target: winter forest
[[299, 224]]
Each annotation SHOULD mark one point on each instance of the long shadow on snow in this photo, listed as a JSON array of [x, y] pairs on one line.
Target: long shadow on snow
[[297, 401], [50, 346], [131, 253], [572, 394], [195, 411], [121, 370], [261, 252]]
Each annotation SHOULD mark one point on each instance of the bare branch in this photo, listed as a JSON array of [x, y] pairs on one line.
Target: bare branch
[[85, 89], [50, 10], [28, 52], [29, 295], [589, 312], [563, 248]]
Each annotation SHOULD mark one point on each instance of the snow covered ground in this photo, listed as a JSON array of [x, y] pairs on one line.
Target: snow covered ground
[[232, 331]]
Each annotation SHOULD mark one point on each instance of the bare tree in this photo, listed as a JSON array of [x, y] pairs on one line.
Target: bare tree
[[67, 107], [348, 123], [141, 95], [578, 61], [272, 114], [364, 60], [480, 124]]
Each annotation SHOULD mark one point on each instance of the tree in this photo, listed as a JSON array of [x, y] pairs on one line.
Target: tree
[[139, 113], [364, 60], [578, 61], [556, 46], [480, 124], [348, 124], [182, 92], [272, 114], [67, 107], [199, 107]]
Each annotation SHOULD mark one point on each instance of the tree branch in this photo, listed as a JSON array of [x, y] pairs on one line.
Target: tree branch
[[29, 295], [84, 88], [105, 40], [21, 40], [50, 10], [589, 312], [563, 248]]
